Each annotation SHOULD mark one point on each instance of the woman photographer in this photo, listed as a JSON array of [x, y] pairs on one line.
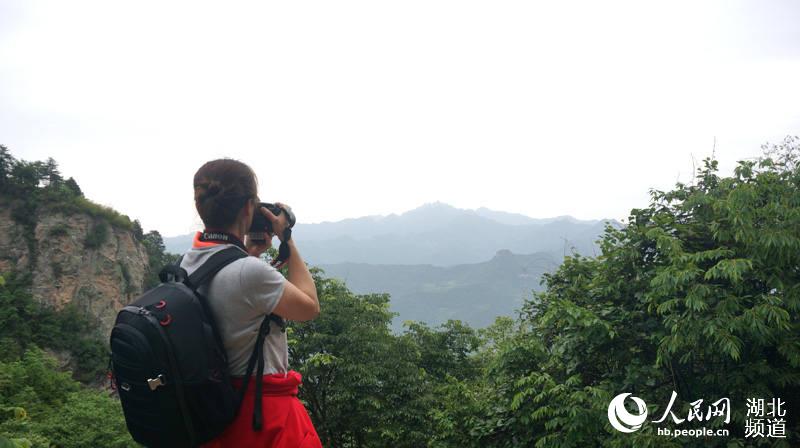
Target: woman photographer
[[243, 293]]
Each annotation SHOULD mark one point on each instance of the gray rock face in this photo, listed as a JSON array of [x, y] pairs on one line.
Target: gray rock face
[[64, 269]]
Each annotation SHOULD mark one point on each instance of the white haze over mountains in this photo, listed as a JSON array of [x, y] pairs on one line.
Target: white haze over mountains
[[436, 234], [439, 262]]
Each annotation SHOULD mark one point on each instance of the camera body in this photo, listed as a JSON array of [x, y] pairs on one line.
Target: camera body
[[261, 224]]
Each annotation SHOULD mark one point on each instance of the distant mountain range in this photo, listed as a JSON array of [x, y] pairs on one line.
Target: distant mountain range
[[433, 260], [474, 293], [436, 234]]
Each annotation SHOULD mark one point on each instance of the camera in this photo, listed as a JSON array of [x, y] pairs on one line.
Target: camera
[[260, 222]]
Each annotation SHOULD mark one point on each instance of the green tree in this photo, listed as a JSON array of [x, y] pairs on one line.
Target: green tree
[[447, 350], [138, 232], [699, 294], [7, 162], [26, 176], [362, 384], [73, 187], [47, 408], [156, 255], [51, 173]]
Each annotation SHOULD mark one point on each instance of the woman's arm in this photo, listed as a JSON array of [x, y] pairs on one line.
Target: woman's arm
[[299, 301]]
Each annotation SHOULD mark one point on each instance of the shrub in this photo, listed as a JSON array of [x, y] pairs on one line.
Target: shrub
[[98, 235]]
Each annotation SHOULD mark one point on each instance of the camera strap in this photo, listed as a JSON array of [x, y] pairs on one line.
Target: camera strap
[[283, 250], [220, 237]]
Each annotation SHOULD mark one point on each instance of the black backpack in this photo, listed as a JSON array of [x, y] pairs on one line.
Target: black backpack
[[169, 365]]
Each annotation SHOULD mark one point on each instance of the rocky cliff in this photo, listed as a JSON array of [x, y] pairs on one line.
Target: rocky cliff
[[75, 259]]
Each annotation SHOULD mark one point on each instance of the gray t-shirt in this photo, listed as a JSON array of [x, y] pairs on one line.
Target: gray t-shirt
[[240, 296]]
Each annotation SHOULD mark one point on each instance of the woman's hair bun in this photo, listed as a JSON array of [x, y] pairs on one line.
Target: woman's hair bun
[[214, 188], [208, 190]]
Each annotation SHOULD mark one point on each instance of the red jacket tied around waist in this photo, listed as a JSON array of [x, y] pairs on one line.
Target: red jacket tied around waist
[[286, 423]]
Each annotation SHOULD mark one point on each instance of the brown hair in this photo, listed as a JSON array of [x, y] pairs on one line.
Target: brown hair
[[221, 188]]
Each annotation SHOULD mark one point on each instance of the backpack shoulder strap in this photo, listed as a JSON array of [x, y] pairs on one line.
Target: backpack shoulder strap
[[213, 265], [256, 362]]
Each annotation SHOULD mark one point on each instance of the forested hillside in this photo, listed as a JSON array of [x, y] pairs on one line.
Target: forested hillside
[[475, 294], [66, 266], [699, 294]]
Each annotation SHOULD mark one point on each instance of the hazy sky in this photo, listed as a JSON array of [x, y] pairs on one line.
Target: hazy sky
[[350, 108]]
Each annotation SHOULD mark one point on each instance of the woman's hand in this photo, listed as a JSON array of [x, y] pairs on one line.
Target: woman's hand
[[279, 223], [257, 247]]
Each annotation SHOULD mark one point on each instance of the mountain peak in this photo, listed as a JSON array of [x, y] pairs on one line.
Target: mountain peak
[[503, 253], [435, 209], [436, 205], [434, 233]]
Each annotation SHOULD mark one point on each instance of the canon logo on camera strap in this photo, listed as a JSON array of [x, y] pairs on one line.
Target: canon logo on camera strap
[[215, 236]]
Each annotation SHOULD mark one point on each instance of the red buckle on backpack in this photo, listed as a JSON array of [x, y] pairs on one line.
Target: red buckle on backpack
[[111, 383], [161, 304], [166, 321]]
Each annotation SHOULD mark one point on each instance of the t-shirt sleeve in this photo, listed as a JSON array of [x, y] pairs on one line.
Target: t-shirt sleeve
[[262, 284]]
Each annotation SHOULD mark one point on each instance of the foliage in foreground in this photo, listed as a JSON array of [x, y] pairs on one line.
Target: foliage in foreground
[[699, 294], [45, 407], [24, 323]]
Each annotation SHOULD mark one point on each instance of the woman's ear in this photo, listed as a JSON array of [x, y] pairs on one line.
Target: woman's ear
[[252, 209], [248, 211]]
